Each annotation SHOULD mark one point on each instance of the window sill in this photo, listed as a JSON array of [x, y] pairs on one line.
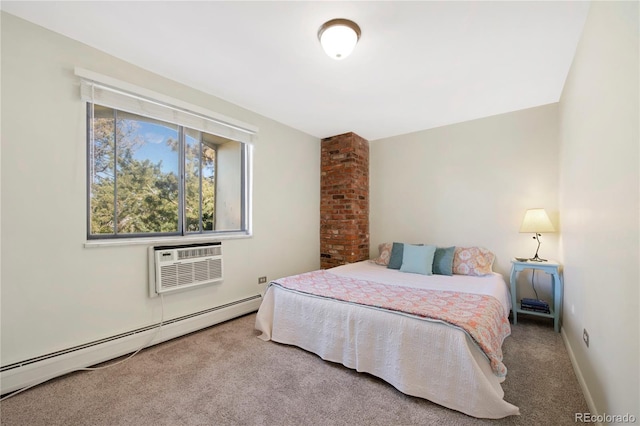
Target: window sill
[[165, 240]]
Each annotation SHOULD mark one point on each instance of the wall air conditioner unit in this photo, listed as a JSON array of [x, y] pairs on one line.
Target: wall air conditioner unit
[[174, 268]]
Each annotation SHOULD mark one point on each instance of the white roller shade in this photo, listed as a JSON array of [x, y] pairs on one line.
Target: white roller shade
[[159, 107]]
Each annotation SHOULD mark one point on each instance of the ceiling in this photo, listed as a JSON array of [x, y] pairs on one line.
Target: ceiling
[[418, 65]]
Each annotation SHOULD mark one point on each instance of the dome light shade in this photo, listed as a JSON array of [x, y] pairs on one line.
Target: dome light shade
[[339, 37]]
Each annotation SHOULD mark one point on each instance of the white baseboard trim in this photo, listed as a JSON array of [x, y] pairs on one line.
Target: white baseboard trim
[[583, 384], [40, 371]]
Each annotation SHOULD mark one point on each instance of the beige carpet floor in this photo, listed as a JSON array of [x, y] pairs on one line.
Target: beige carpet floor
[[224, 375]]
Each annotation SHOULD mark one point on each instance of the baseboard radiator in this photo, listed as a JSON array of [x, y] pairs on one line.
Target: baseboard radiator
[[35, 370]]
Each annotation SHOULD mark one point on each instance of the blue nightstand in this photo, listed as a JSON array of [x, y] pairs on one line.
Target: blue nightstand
[[552, 268]]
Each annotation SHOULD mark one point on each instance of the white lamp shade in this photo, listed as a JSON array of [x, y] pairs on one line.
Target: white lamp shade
[[339, 37], [537, 221]]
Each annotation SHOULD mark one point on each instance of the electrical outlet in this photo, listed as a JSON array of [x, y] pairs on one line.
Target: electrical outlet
[[262, 280], [585, 337]]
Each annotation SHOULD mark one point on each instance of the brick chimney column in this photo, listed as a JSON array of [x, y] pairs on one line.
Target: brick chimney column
[[344, 200]]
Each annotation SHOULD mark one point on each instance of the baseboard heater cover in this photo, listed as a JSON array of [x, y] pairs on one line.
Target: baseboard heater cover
[[42, 368]]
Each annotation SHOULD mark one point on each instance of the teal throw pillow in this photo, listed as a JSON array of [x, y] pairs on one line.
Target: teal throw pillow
[[395, 260], [418, 259], [443, 261]]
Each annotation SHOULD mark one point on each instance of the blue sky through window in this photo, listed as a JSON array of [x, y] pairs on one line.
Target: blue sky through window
[[155, 148]]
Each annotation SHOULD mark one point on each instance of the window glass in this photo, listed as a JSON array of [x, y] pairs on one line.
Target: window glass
[[146, 175], [149, 177], [229, 212], [102, 172]]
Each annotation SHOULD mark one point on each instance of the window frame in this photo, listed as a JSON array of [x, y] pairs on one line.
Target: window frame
[[246, 132]]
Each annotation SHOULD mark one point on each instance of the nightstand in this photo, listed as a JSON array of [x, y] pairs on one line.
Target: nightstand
[[552, 268]]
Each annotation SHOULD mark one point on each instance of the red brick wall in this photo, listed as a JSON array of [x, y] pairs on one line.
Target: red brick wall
[[344, 200]]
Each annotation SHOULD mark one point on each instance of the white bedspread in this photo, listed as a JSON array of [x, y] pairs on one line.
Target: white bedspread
[[422, 358]]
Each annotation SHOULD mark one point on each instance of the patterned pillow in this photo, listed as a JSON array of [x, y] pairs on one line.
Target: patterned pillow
[[475, 261], [385, 254]]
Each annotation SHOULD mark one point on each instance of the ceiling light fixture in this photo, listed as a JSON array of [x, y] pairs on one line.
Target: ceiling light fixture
[[339, 37]]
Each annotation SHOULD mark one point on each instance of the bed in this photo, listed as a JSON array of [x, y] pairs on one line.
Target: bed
[[388, 335]]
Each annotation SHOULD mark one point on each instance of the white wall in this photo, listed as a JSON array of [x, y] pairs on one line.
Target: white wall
[[599, 204], [56, 293], [469, 184]]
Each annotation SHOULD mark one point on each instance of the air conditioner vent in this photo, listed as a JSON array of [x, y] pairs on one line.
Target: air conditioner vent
[[173, 268], [201, 252]]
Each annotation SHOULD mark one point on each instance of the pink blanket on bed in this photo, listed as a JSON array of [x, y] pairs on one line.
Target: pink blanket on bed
[[480, 316]]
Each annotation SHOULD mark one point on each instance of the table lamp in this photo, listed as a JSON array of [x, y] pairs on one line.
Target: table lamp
[[536, 221]]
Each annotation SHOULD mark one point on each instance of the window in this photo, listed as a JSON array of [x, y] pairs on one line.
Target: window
[[152, 177]]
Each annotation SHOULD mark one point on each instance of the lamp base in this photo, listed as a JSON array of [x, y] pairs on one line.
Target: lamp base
[[537, 259]]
